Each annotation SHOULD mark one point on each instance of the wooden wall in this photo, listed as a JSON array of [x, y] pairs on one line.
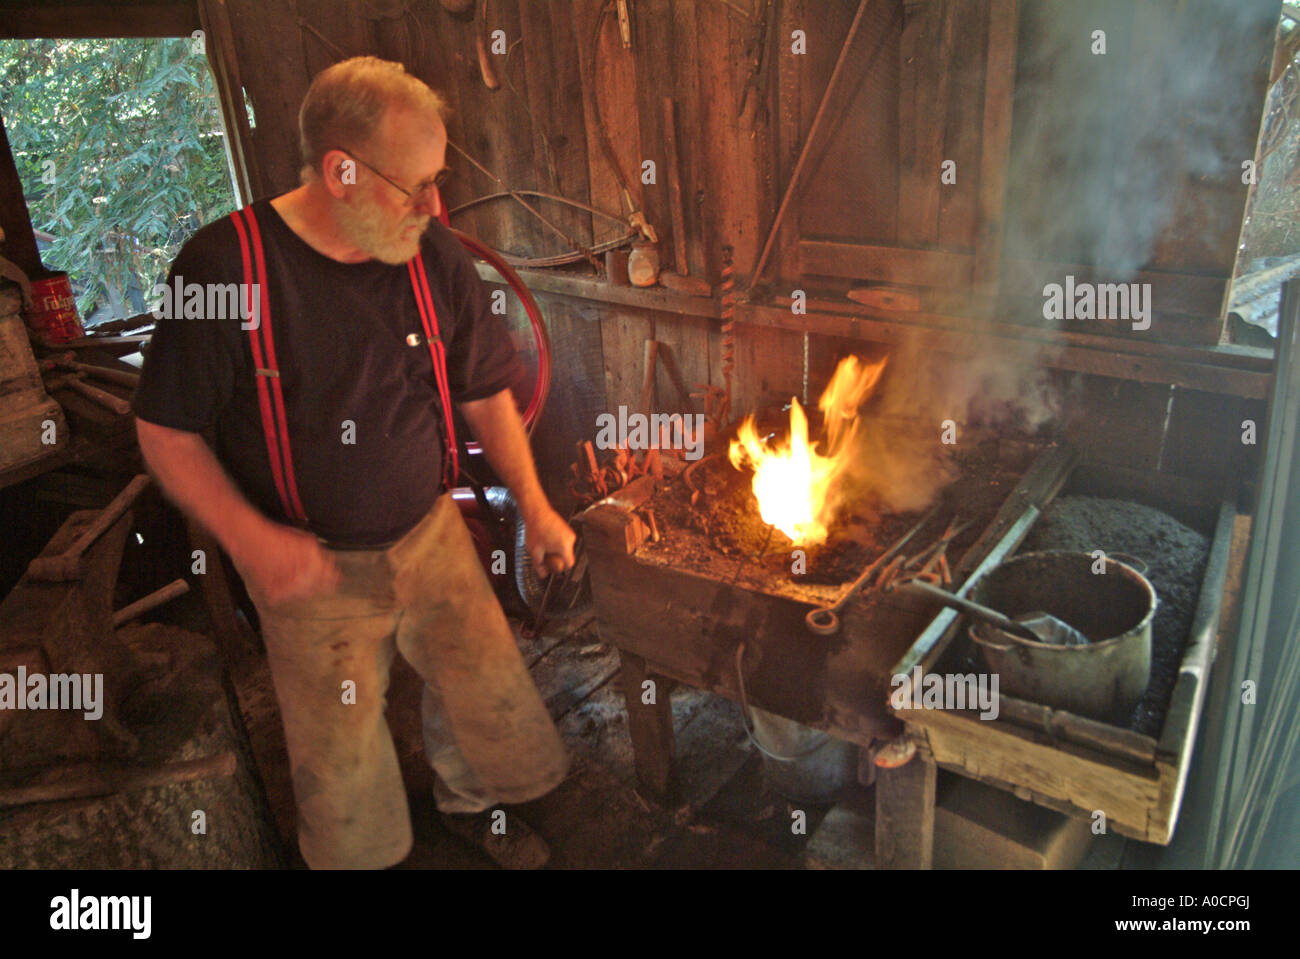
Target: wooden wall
[[1054, 146], [1065, 161]]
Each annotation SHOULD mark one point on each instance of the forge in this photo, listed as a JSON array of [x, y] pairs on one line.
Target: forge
[[693, 587]]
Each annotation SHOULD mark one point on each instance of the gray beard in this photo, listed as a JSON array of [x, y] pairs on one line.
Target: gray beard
[[368, 230]]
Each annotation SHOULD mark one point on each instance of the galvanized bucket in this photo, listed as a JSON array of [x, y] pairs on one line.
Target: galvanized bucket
[[1104, 679], [801, 763]]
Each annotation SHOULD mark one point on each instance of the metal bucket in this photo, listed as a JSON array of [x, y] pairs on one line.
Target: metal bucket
[[1103, 680], [801, 763]]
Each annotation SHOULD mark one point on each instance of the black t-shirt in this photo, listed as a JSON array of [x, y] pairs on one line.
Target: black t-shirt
[[361, 400]]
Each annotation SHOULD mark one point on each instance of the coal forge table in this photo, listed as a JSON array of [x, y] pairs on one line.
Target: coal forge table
[[676, 626]]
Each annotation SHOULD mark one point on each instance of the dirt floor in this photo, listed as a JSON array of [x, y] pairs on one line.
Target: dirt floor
[[596, 818]]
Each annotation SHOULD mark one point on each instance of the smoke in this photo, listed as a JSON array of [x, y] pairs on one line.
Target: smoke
[[1110, 148]]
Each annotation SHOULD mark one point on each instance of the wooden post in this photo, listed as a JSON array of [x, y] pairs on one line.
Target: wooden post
[[650, 724], [905, 814]]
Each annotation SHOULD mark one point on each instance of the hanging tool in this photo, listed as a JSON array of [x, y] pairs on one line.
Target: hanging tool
[[485, 68], [728, 334]]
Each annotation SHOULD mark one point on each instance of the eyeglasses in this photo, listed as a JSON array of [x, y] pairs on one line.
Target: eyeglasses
[[420, 194]]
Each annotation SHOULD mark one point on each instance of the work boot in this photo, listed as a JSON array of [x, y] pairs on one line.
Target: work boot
[[517, 847]]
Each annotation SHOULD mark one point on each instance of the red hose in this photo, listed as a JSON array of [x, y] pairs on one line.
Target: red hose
[[543, 386]]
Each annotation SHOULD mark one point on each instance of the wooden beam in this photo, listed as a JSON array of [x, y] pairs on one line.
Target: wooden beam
[[905, 815], [1207, 370], [597, 289], [650, 727], [15, 219], [220, 48], [886, 264], [1189, 293], [995, 152], [81, 21]]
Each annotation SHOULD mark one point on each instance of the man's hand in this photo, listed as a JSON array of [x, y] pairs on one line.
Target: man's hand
[[549, 541], [280, 564], [548, 538]]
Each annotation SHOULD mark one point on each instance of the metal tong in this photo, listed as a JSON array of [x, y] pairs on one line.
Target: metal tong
[[825, 620], [935, 571]]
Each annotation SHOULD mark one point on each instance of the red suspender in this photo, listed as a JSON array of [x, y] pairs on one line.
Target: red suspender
[[271, 398], [438, 352]]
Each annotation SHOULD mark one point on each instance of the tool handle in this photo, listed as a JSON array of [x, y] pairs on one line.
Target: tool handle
[[921, 588], [120, 377], [105, 399], [155, 599]]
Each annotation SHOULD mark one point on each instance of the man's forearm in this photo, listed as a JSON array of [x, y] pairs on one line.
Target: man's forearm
[[192, 478], [498, 428]]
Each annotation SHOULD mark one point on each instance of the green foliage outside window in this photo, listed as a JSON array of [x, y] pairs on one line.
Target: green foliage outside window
[[120, 150]]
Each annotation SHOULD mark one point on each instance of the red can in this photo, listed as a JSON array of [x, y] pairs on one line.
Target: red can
[[53, 317]]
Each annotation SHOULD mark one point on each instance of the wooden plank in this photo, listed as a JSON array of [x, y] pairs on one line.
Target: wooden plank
[[959, 202], [577, 394], [925, 73], [905, 815], [220, 46], [1061, 167], [334, 32], [769, 367], [944, 311], [652, 47], [447, 61], [597, 290], [735, 172], [1205, 436], [849, 188], [995, 139], [1098, 355], [792, 83], [1057, 775], [885, 264], [683, 361], [552, 86], [77, 21], [1120, 422], [1188, 698], [650, 727], [268, 49], [1170, 292], [687, 41], [623, 334]]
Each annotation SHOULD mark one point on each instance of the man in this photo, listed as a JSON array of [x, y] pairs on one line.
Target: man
[[326, 481]]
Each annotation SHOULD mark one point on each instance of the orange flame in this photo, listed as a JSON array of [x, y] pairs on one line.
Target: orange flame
[[794, 482]]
